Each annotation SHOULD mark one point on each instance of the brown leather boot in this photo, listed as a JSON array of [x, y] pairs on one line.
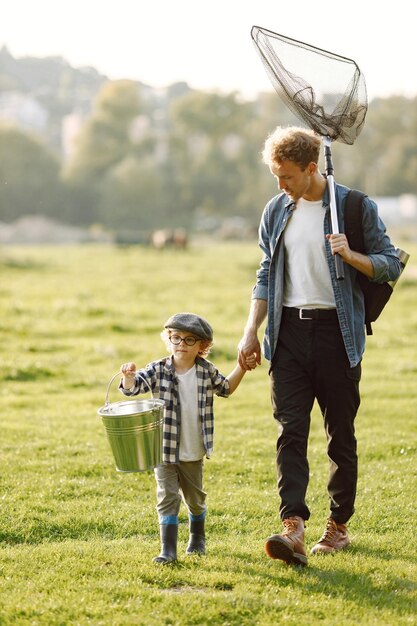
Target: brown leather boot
[[289, 546], [335, 537]]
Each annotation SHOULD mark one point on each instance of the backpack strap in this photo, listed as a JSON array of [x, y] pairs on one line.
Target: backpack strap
[[353, 219], [354, 234]]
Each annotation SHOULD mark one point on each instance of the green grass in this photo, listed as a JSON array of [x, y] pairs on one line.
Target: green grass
[[77, 538]]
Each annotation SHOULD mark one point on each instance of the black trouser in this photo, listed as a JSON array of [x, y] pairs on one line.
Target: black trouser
[[310, 362]]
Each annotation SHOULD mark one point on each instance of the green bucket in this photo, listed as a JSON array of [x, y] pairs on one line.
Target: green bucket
[[134, 431]]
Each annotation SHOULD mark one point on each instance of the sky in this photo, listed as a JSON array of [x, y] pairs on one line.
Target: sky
[[208, 44]]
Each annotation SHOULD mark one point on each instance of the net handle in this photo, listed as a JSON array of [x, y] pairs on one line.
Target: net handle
[[340, 271]]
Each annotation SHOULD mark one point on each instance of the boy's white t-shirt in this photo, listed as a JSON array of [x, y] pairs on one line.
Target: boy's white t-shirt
[[307, 276], [191, 436]]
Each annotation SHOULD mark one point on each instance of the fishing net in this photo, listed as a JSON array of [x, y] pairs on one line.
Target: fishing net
[[337, 104]]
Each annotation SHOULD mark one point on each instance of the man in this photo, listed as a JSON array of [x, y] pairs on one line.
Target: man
[[315, 335]]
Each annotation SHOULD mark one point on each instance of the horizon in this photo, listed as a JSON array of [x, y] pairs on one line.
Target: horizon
[[247, 95], [208, 47]]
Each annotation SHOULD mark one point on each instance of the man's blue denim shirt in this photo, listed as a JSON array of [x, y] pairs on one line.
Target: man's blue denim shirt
[[347, 292]]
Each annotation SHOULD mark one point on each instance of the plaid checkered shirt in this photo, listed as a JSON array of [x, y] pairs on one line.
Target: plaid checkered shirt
[[161, 378]]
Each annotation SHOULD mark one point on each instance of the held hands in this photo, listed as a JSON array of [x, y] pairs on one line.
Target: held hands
[[249, 352], [128, 371], [251, 362]]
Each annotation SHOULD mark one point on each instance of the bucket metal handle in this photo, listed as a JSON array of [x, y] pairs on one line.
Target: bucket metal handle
[[106, 403]]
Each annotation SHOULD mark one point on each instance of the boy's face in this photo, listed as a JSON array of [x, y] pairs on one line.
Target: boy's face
[[179, 343]]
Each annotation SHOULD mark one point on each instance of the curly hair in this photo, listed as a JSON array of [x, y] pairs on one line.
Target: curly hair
[[205, 346], [300, 145]]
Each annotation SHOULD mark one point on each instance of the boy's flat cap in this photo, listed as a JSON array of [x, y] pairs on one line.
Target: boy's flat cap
[[191, 323]]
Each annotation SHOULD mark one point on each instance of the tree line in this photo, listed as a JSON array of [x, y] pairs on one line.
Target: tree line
[[138, 166]]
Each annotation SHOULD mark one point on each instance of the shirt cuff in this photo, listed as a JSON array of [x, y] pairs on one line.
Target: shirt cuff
[[129, 390], [260, 292]]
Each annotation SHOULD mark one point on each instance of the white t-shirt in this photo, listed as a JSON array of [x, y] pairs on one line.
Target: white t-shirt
[[191, 436], [307, 276]]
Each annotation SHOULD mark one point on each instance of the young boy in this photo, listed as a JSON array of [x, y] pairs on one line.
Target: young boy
[[186, 381]]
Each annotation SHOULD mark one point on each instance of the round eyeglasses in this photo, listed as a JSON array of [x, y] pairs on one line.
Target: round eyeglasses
[[189, 340]]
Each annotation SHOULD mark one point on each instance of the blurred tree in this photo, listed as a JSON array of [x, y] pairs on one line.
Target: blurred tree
[[154, 158], [216, 141], [207, 137], [131, 194], [29, 176], [54, 84], [257, 184], [392, 130], [383, 160], [105, 138], [104, 142]]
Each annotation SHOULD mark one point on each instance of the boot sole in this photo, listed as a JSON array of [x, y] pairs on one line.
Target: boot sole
[[163, 561], [324, 549], [277, 549]]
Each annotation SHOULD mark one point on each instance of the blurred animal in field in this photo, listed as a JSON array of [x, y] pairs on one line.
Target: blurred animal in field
[[176, 238]]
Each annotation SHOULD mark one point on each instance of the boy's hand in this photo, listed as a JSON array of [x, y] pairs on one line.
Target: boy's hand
[[249, 345], [251, 361], [128, 371]]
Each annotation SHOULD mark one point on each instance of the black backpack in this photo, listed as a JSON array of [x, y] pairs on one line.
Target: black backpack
[[376, 295]]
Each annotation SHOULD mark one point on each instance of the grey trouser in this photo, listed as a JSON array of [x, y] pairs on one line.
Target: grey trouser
[[176, 481]]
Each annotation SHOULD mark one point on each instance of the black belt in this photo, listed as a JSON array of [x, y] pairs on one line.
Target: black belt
[[310, 314]]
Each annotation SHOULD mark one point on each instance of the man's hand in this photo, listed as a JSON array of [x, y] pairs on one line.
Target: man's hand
[[249, 345], [249, 351], [361, 262], [340, 245]]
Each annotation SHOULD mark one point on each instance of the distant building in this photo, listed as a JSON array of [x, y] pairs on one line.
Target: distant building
[[70, 129], [397, 209], [408, 206], [23, 110]]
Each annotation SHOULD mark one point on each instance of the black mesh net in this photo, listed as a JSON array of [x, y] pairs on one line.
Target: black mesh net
[[336, 105]]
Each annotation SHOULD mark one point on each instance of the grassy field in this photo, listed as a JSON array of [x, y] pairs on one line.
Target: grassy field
[[77, 538]]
